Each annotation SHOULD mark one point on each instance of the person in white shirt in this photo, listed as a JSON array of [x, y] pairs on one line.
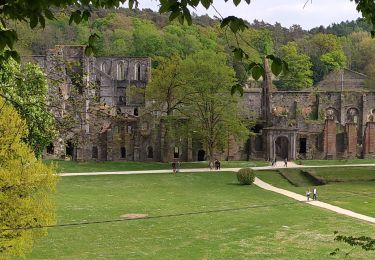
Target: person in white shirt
[[315, 194]]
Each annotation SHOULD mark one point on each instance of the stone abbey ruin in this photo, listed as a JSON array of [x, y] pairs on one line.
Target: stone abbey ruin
[[335, 119]]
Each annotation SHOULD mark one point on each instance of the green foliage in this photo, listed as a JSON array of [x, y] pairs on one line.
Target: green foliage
[[245, 176], [26, 185], [262, 42], [25, 87], [213, 113], [334, 60], [300, 74], [367, 8], [363, 242], [36, 13]]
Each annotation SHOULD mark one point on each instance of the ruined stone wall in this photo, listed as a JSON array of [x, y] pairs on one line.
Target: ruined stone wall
[[352, 139], [252, 99], [330, 139], [369, 141], [296, 106]]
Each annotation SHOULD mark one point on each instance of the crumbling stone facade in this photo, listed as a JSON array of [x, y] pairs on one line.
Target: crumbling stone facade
[[99, 95], [332, 120]]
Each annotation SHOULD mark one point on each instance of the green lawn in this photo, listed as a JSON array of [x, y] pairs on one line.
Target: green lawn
[[335, 162], [352, 194], [92, 166], [272, 227], [344, 174]]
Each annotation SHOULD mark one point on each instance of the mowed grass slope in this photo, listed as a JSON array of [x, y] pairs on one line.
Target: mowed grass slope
[[336, 162], [344, 174], [92, 166], [272, 226], [351, 192]]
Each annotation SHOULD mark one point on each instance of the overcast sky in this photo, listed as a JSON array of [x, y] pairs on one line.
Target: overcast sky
[[287, 12]]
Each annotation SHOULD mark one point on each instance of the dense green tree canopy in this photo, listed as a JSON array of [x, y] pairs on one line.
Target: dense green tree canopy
[[37, 12], [25, 87], [213, 113], [25, 187], [300, 73]]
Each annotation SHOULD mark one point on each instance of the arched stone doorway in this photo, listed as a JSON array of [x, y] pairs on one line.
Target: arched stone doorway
[[281, 147], [69, 149], [201, 155]]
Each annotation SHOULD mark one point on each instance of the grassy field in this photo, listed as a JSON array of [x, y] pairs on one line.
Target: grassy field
[[335, 162], [92, 166], [351, 192], [346, 174], [256, 224]]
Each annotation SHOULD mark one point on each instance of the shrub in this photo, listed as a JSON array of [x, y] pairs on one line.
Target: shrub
[[245, 176]]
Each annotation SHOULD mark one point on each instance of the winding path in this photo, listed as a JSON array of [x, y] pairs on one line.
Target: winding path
[[316, 203], [257, 182]]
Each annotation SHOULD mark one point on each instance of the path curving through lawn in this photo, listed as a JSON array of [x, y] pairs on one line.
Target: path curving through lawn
[[316, 203], [257, 182]]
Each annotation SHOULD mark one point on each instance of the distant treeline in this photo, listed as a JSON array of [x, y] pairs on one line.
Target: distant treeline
[[123, 32]]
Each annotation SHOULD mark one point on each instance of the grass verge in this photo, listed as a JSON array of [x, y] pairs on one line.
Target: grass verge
[[92, 166], [256, 224], [350, 193]]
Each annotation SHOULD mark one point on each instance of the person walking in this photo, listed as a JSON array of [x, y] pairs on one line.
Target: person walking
[[174, 167], [216, 164], [286, 162], [315, 194], [178, 166], [210, 165], [308, 195]]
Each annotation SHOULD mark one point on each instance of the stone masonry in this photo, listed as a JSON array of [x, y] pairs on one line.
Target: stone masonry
[[99, 94]]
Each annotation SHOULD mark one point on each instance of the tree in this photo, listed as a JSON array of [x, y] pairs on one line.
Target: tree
[[300, 73], [166, 94], [26, 185], [25, 87], [326, 53], [362, 242], [213, 113], [334, 60], [36, 12]]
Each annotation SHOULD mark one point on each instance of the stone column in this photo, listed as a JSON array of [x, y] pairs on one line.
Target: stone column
[[369, 140], [351, 133], [109, 145], [293, 139], [330, 138], [266, 85], [189, 149]]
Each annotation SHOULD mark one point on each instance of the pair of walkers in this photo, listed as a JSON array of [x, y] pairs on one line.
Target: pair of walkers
[[215, 164], [315, 194]]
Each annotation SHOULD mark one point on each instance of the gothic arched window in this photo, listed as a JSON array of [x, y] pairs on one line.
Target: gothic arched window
[[138, 72]]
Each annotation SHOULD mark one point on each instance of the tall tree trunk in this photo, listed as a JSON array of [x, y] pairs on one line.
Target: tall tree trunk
[[166, 143]]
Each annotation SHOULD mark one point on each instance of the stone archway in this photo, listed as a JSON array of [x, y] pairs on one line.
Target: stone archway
[[201, 155], [282, 147]]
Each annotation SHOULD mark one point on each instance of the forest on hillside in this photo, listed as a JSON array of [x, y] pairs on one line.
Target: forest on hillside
[[123, 32]]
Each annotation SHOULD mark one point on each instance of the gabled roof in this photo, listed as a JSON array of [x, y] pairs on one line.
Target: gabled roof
[[343, 79]]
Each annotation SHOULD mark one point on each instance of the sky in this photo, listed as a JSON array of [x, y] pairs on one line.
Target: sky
[[287, 12]]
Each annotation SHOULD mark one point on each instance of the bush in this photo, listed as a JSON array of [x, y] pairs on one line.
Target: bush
[[245, 176]]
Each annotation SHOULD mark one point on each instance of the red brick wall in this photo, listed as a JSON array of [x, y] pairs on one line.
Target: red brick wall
[[330, 138], [369, 139], [351, 133]]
